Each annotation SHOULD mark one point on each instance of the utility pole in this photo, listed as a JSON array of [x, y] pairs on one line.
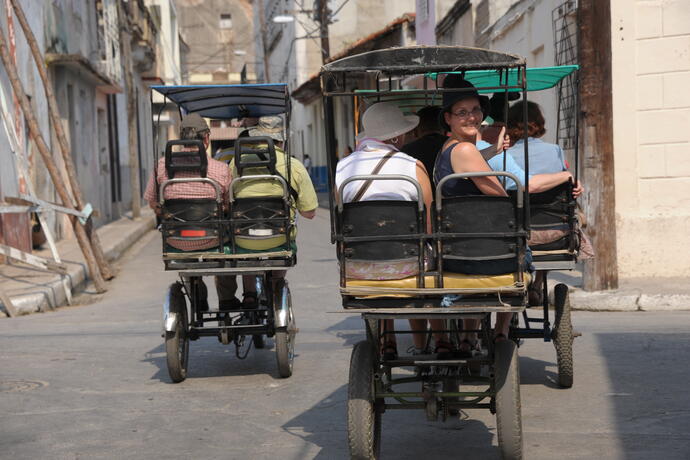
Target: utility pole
[[594, 22], [262, 25], [126, 44], [323, 19]]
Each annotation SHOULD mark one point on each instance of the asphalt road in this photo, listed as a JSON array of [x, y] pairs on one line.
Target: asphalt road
[[90, 382]]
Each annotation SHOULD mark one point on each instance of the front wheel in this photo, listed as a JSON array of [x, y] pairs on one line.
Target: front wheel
[[508, 408], [177, 341], [363, 415]]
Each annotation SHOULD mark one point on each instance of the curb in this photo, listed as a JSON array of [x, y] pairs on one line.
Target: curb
[[627, 301], [116, 237]]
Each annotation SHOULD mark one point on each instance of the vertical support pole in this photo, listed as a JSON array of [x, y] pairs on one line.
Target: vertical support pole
[[329, 119], [264, 45], [126, 43], [594, 23]]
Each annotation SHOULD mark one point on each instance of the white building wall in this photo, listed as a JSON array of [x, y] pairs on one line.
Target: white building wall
[[651, 120], [528, 32]]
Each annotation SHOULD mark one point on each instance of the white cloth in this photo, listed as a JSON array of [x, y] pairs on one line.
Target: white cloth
[[363, 161]]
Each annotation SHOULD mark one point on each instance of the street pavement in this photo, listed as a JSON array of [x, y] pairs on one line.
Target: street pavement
[[90, 382]]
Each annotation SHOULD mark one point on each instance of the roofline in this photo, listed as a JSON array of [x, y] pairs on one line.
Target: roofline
[[405, 18]]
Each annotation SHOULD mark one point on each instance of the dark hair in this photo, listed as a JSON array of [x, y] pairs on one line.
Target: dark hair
[[535, 120], [429, 119]]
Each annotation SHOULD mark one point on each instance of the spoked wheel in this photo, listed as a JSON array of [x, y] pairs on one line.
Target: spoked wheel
[[177, 341], [363, 414], [508, 411], [563, 336], [285, 337]]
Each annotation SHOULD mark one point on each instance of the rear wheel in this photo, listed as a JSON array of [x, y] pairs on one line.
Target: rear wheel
[[285, 340], [177, 341], [363, 414], [563, 336], [508, 409]]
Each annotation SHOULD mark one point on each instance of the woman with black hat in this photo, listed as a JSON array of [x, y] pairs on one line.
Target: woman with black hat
[[463, 113]]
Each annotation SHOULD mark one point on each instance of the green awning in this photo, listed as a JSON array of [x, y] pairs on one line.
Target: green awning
[[538, 78], [410, 100]]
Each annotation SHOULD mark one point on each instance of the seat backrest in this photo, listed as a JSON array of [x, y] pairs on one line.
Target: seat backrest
[[192, 219], [185, 155], [391, 225], [554, 209], [259, 217], [480, 234]]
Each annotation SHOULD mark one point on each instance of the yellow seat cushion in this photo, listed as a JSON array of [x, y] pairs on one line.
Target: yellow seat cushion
[[453, 283], [450, 280]]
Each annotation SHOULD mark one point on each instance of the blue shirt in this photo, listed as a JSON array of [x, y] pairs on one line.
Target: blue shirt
[[544, 158], [511, 166]]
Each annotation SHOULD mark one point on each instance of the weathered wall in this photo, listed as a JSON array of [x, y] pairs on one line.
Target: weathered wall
[[651, 103]]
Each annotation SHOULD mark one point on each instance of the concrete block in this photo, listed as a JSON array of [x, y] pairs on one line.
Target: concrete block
[[603, 301], [676, 17], [650, 92], [667, 54], [664, 302], [675, 90], [648, 20], [651, 160], [662, 195], [678, 160], [663, 126]]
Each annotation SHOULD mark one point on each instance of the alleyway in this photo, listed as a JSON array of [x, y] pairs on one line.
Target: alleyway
[[91, 382]]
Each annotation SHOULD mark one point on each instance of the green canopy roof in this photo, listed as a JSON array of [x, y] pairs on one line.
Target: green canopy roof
[[411, 100], [538, 78]]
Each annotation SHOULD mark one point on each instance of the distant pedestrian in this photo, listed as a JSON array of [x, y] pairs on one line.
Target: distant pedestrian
[[306, 161]]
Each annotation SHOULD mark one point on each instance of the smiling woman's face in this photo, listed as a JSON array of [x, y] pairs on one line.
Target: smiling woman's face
[[464, 119]]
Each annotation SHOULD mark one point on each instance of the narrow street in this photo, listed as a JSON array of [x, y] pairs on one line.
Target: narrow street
[[91, 382]]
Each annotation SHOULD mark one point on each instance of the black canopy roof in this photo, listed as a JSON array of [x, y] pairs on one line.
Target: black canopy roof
[[423, 59]]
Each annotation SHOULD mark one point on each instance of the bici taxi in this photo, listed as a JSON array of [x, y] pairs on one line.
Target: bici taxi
[[469, 228], [186, 315]]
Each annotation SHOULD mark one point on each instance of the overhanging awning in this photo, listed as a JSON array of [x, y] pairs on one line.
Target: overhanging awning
[[538, 78], [229, 101]]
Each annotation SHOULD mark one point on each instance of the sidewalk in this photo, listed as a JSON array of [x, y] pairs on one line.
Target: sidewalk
[[33, 290]]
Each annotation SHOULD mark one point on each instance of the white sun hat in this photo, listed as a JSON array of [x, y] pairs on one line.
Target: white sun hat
[[385, 120]]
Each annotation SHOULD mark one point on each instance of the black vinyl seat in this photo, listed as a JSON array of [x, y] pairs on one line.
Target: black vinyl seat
[[381, 230], [190, 219], [260, 217], [480, 235]]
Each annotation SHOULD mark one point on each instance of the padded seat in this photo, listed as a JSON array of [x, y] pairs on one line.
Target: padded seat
[[508, 281]]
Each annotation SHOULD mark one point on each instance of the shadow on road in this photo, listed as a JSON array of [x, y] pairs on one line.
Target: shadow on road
[[537, 372], [210, 358]]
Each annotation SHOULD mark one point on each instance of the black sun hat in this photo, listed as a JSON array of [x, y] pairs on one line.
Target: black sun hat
[[454, 81]]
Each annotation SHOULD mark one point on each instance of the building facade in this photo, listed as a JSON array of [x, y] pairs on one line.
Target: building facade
[[80, 41]]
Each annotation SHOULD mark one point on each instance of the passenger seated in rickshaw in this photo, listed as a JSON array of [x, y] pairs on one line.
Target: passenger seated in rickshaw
[[544, 158], [377, 153], [194, 127], [463, 114], [301, 188], [430, 137]]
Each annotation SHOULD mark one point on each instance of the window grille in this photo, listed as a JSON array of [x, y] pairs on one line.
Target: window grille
[[565, 39]]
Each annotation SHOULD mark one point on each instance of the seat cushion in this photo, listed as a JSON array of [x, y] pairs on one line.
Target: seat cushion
[[450, 280]]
